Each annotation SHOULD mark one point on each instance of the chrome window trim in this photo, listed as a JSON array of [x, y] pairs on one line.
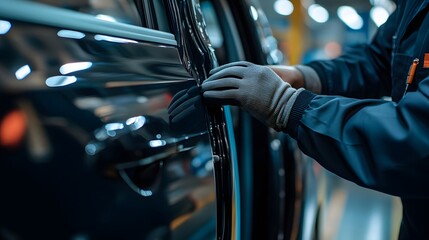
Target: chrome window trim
[[57, 17]]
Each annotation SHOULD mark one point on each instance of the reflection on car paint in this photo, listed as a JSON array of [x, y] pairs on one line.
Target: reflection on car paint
[[70, 34], [106, 18], [60, 81], [4, 27], [113, 64], [74, 67], [22, 72], [71, 178], [100, 37], [254, 13]]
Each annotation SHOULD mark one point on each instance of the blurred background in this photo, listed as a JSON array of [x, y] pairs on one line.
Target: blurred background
[[310, 29]]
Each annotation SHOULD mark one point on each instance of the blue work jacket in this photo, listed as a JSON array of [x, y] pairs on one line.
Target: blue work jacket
[[379, 144]]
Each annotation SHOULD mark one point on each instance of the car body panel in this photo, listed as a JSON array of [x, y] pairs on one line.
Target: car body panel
[[64, 18], [117, 141]]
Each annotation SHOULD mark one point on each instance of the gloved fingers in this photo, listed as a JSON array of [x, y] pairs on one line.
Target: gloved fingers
[[231, 72], [187, 104], [225, 97], [219, 84], [178, 95], [182, 115], [194, 91], [177, 99], [240, 63], [182, 96]]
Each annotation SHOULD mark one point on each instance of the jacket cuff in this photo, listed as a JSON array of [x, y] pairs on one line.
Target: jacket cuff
[[300, 105], [311, 78]]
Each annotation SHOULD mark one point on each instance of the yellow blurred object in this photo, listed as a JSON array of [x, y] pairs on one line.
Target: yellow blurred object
[[296, 34]]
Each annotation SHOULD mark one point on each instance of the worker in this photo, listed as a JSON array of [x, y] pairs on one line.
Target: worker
[[335, 110]]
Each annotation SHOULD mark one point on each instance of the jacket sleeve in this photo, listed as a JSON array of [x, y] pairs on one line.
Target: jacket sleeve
[[375, 143], [363, 70]]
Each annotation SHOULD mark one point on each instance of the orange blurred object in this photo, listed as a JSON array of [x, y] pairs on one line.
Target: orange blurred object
[[12, 129], [333, 49]]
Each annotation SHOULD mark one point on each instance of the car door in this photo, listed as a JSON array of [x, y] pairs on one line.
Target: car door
[[103, 132]]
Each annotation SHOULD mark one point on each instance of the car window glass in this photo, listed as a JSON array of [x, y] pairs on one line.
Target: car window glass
[[213, 30], [161, 16], [123, 11], [153, 14]]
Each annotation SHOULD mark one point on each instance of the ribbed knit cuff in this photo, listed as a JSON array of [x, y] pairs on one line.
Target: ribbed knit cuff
[[282, 116], [301, 104]]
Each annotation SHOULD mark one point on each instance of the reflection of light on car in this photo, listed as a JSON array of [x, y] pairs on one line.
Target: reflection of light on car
[[60, 81], [114, 126], [4, 27], [141, 99], [157, 143], [99, 37], [146, 193], [275, 144], [136, 122], [91, 149], [197, 162], [254, 13], [70, 34], [101, 135], [22, 72], [106, 18], [111, 128], [202, 164], [89, 102], [209, 166], [74, 67]]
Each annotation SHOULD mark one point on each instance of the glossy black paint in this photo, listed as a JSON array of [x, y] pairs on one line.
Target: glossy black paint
[[195, 45], [95, 135]]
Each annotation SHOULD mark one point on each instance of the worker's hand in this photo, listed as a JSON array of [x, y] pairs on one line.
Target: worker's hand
[[182, 111], [255, 88]]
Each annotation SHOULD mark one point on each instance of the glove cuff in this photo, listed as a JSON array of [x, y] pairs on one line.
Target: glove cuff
[[283, 116], [296, 110]]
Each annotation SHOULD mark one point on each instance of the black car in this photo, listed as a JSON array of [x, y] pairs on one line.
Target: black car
[[104, 134]]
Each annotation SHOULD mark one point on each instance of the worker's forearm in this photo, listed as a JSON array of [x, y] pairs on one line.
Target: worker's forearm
[[299, 76], [310, 78]]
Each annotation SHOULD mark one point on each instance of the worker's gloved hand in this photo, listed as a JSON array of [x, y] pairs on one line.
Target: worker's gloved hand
[[256, 88], [182, 109]]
